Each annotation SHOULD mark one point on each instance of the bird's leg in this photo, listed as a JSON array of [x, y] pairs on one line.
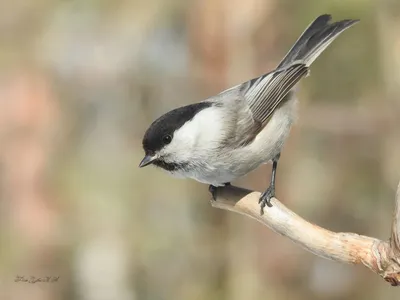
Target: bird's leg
[[213, 190], [269, 193]]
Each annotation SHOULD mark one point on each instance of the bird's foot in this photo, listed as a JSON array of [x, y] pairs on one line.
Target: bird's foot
[[213, 190], [265, 198]]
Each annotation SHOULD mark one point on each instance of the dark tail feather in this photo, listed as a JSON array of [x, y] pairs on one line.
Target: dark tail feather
[[314, 40]]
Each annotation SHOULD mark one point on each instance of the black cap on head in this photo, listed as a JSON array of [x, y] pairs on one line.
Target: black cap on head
[[161, 131]]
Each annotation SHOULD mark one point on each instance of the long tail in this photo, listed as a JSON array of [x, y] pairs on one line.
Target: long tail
[[314, 40]]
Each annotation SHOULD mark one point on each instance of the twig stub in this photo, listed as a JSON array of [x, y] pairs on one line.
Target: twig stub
[[382, 257]]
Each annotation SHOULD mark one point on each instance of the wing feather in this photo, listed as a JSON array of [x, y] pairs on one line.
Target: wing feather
[[265, 93], [251, 104]]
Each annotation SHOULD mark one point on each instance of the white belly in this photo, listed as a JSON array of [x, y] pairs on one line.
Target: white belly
[[227, 166]]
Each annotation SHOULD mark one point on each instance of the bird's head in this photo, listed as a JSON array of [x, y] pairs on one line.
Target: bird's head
[[169, 139]]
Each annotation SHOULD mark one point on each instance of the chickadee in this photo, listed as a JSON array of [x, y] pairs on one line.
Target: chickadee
[[228, 135]]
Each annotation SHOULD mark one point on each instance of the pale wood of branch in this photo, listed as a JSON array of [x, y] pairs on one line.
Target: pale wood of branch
[[382, 257]]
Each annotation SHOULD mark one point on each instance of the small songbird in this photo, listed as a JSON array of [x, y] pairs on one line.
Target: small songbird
[[229, 135]]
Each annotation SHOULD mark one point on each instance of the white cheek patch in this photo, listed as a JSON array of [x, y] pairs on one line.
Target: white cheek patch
[[196, 135], [205, 127]]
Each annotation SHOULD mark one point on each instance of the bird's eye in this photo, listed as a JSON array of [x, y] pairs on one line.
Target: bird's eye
[[167, 139]]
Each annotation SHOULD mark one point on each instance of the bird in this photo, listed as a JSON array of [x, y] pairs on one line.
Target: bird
[[226, 136]]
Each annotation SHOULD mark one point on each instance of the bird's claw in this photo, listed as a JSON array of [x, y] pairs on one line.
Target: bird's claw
[[213, 190], [265, 198]]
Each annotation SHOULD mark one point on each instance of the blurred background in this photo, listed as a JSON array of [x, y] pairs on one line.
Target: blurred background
[[80, 82]]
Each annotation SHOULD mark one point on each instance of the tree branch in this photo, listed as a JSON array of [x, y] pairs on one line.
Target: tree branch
[[382, 257]]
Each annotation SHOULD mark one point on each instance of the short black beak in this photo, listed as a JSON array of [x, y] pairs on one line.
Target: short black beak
[[148, 159]]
